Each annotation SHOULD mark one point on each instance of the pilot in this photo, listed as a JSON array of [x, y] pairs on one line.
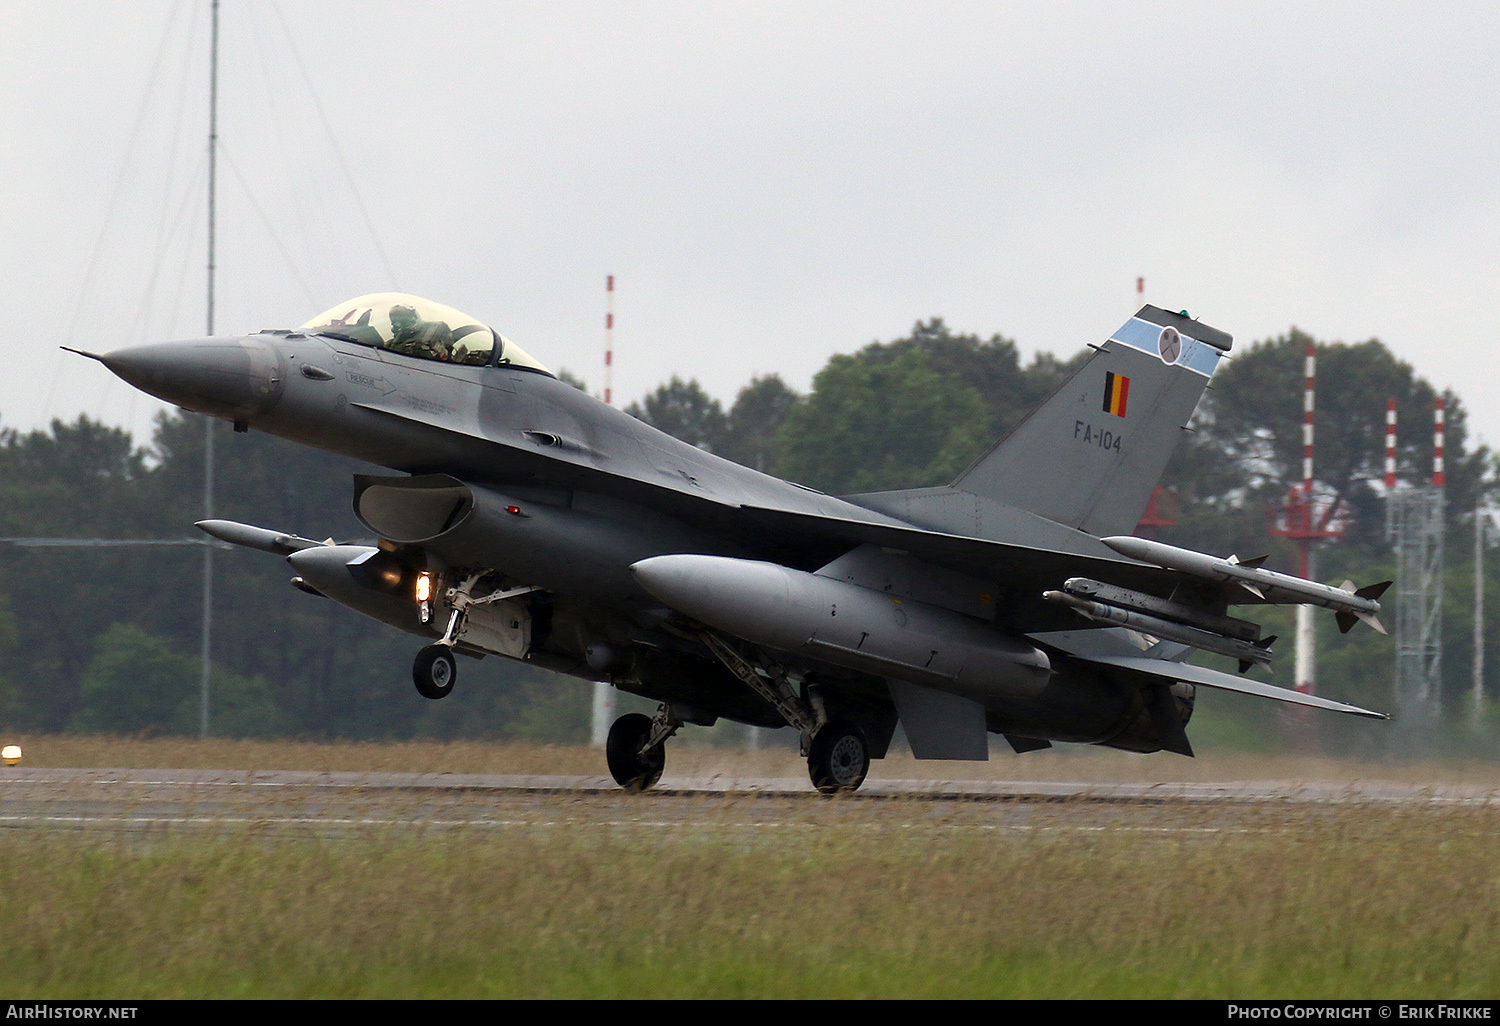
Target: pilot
[[430, 340]]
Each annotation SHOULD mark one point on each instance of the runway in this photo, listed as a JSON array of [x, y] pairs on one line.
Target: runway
[[330, 804]]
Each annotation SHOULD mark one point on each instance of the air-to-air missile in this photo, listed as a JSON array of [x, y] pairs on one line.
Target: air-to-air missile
[[1348, 602], [1109, 604], [276, 542]]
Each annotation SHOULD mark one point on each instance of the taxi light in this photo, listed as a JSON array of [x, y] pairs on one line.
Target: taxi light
[[424, 587]]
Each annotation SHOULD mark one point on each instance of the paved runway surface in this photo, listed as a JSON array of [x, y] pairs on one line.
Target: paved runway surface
[[337, 803]]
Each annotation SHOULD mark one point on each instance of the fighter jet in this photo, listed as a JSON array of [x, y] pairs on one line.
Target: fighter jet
[[529, 521]]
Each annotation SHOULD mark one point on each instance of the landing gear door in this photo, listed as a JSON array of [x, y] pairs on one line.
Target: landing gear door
[[502, 627]]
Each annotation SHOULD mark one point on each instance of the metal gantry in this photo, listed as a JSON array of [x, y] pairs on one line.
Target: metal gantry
[[1415, 522], [1415, 527]]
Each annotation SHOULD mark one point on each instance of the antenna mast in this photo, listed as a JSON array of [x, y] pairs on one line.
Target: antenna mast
[[604, 695], [208, 422]]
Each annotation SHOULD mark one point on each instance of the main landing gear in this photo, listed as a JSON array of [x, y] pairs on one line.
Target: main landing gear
[[636, 748], [838, 758], [838, 755]]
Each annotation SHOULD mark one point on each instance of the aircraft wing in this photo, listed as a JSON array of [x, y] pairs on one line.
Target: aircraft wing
[[1025, 568]]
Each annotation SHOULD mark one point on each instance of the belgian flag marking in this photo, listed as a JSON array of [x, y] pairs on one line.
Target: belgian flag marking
[[1116, 392]]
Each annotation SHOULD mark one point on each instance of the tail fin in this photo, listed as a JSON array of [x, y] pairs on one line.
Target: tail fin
[[1090, 457]]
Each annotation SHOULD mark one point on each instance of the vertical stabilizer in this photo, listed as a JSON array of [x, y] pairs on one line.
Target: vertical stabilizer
[[1090, 457]]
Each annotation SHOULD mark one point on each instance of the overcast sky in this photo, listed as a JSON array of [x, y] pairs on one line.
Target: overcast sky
[[770, 183]]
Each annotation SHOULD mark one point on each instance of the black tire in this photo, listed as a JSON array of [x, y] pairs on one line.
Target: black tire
[[435, 672], [631, 770], [839, 759]]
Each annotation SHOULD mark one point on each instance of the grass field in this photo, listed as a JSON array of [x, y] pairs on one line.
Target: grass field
[[831, 899]]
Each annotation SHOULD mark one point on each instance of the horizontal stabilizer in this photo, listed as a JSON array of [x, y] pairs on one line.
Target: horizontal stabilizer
[[1164, 670]]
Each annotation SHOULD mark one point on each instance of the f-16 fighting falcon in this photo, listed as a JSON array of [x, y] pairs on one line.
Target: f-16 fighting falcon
[[527, 520]]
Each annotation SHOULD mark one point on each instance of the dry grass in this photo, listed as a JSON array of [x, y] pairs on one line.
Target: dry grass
[[686, 758]]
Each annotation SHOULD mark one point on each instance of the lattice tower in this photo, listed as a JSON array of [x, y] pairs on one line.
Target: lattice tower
[[1415, 520]]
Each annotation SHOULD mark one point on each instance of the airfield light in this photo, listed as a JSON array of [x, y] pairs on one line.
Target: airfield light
[[11, 754]]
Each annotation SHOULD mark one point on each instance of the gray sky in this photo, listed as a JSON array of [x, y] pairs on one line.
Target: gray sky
[[769, 182]]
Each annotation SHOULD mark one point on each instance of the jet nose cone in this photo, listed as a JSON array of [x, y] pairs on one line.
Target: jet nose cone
[[233, 378]]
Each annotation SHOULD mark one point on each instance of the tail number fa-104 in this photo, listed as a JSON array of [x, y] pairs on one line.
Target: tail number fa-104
[[1090, 435]]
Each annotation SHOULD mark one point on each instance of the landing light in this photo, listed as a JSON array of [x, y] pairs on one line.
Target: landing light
[[424, 596], [11, 754]]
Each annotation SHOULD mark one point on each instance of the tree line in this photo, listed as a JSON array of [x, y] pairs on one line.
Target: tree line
[[107, 638]]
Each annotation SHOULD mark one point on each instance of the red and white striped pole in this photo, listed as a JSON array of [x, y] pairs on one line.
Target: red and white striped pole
[[609, 340], [1390, 445], [1438, 478], [1309, 375], [603, 713], [1305, 670]]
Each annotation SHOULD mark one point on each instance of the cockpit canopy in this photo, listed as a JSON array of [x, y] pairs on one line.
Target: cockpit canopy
[[418, 327]]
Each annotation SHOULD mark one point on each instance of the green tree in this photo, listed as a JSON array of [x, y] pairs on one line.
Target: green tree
[[874, 423], [913, 411], [755, 418], [683, 410], [135, 683]]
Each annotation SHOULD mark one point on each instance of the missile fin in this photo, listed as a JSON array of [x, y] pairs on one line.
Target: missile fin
[[1251, 564], [1264, 643], [1373, 591], [1347, 619]]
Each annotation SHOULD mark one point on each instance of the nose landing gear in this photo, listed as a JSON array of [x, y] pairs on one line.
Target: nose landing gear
[[434, 671]]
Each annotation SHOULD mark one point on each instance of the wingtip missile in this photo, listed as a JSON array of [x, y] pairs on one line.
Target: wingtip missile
[[1267, 585], [260, 538]]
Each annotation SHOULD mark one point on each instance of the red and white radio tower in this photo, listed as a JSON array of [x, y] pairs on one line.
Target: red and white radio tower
[[609, 340], [1390, 446], [604, 694], [1306, 521], [1438, 477]]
